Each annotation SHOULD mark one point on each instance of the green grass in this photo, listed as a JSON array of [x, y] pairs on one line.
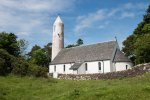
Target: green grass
[[30, 88]]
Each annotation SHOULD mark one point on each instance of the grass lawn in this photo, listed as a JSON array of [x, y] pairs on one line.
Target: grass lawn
[[30, 88]]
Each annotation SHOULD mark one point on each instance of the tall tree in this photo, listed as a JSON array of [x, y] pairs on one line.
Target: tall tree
[[23, 44], [5, 62], [147, 15], [48, 50], [10, 51], [79, 42], [128, 48], [8, 42], [135, 46], [40, 58], [34, 48], [142, 50]]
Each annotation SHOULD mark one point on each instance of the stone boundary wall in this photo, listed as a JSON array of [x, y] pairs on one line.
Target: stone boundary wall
[[136, 70]]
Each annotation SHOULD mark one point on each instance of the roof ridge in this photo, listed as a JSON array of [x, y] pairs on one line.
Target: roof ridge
[[90, 44]]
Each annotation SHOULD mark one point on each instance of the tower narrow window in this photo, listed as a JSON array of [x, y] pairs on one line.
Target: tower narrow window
[[86, 67], [126, 66], [55, 68], [99, 65], [64, 68]]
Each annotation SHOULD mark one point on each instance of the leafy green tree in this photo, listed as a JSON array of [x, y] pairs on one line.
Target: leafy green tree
[[48, 50], [6, 61], [79, 42], [10, 51], [132, 46], [142, 52], [34, 48], [20, 67], [12, 60], [40, 58], [129, 47], [147, 15], [8, 42]]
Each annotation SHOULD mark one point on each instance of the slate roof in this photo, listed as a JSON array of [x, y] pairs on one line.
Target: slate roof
[[94, 52], [120, 57]]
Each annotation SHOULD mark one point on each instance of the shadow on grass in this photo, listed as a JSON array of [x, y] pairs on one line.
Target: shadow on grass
[[146, 89], [3, 93]]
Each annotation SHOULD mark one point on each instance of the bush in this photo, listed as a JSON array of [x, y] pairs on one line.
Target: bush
[[5, 62], [37, 71], [20, 67]]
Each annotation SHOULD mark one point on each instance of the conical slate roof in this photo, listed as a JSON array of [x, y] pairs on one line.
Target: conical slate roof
[[94, 52], [58, 20]]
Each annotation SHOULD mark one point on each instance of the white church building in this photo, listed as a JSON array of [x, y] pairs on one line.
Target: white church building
[[88, 59]]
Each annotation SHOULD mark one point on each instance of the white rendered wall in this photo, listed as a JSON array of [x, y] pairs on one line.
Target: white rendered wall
[[111, 66], [81, 69], [75, 72], [68, 71], [51, 68], [92, 67], [107, 66], [122, 65], [60, 69]]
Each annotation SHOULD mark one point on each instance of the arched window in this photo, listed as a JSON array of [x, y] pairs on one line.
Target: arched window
[[86, 67], [64, 68], [55, 68], [99, 65]]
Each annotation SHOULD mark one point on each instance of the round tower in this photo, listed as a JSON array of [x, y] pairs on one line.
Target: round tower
[[58, 37]]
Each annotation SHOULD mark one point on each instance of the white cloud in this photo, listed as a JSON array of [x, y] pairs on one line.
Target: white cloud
[[104, 25], [37, 5], [25, 17], [127, 14], [130, 6], [128, 10], [87, 20]]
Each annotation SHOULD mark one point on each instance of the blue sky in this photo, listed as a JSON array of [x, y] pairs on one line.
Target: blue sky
[[92, 20]]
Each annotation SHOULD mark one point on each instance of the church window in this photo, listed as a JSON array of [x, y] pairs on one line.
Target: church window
[[64, 68], [55, 68], [86, 67], [99, 65], [126, 66], [59, 35]]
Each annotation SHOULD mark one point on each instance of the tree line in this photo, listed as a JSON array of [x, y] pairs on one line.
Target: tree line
[[137, 45], [14, 58]]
